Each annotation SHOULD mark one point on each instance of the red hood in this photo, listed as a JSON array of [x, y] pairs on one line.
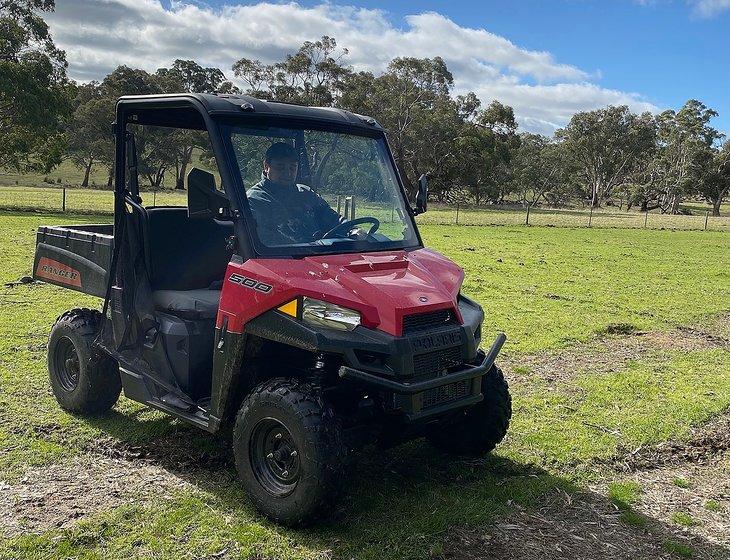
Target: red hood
[[382, 286]]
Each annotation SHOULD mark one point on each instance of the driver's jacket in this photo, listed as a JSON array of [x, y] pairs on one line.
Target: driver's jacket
[[287, 214]]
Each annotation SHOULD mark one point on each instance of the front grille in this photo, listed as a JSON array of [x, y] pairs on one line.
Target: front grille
[[446, 393], [431, 320], [436, 361]]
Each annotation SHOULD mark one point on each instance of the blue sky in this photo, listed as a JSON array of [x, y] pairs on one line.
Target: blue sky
[[547, 59]]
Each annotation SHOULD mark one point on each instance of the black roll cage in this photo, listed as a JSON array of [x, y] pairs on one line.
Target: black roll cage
[[216, 114]]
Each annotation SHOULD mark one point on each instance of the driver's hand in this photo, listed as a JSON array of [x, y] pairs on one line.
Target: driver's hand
[[358, 234]]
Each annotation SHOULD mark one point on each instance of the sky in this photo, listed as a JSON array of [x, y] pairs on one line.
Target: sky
[[547, 59]]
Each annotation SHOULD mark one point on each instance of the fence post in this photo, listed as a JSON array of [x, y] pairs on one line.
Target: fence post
[[707, 217], [527, 217], [646, 217], [352, 209], [63, 200], [457, 213], [339, 204], [590, 216], [347, 208]]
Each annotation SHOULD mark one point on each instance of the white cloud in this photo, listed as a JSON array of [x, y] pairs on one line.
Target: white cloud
[[100, 35], [710, 8]]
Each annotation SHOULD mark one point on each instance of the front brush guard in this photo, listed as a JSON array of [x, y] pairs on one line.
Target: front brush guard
[[411, 388]]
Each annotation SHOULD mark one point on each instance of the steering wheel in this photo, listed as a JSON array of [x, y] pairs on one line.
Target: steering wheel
[[347, 226]]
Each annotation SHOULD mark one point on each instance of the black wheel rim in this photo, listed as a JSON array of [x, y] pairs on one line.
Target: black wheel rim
[[66, 364], [274, 457]]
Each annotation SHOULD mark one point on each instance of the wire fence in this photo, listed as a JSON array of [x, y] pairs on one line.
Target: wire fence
[[100, 202]]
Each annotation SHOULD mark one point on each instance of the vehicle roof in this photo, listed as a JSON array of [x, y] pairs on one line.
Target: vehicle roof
[[226, 105]]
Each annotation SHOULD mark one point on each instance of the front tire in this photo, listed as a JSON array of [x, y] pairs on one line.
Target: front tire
[[288, 449], [480, 428], [83, 380]]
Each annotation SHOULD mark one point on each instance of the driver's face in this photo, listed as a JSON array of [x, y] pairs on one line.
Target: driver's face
[[281, 171]]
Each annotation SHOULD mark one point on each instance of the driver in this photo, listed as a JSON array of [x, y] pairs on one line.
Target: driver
[[285, 211]]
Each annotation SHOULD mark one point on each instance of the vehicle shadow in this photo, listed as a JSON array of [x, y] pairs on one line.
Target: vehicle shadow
[[412, 501]]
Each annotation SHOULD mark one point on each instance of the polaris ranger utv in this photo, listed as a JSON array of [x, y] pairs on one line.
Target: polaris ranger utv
[[231, 313]]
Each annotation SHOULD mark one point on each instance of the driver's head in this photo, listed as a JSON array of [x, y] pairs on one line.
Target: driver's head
[[281, 164]]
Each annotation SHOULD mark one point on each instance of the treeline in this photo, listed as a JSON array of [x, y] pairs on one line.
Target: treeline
[[471, 152]]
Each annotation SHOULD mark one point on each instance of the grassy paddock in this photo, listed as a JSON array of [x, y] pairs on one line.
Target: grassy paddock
[[50, 199], [546, 287]]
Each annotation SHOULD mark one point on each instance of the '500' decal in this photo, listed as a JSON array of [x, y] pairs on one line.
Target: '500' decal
[[250, 283]]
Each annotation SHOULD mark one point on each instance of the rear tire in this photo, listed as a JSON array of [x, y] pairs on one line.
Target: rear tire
[[288, 449], [83, 379], [480, 428]]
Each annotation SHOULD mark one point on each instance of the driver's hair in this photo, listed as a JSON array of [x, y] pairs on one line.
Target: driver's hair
[[281, 150]]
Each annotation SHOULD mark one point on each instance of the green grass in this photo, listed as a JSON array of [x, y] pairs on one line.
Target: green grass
[[683, 518], [550, 287], [623, 495], [713, 505], [678, 548], [681, 483], [545, 287]]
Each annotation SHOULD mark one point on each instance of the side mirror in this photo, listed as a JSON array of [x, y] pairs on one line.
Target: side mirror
[[204, 201], [422, 196]]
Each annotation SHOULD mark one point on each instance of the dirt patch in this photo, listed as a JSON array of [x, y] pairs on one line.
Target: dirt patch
[[109, 475], [702, 446], [606, 354], [580, 527], [695, 497], [57, 496]]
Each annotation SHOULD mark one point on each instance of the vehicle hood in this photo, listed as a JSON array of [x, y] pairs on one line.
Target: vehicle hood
[[383, 286]]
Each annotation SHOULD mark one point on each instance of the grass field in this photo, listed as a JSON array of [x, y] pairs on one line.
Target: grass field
[[49, 198], [618, 344]]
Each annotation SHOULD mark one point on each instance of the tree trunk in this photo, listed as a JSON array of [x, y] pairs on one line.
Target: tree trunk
[[675, 204], [87, 172], [644, 205], [716, 206], [110, 178]]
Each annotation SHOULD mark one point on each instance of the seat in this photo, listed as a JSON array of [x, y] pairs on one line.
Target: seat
[[188, 304], [186, 256]]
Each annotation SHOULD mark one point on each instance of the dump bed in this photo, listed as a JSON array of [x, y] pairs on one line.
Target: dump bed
[[75, 256]]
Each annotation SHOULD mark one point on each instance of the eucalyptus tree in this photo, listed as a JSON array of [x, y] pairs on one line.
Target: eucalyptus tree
[[35, 93], [605, 147], [686, 143]]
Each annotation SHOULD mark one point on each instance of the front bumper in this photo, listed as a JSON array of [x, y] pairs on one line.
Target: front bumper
[[415, 408], [418, 375]]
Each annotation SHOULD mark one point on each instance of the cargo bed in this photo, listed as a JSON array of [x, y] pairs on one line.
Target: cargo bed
[[74, 256]]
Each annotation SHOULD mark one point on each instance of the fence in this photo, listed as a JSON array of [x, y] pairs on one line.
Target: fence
[[88, 201]]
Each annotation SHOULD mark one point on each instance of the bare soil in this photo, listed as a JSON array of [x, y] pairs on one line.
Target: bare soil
[[584, 526], [610, 352], [57, 496]]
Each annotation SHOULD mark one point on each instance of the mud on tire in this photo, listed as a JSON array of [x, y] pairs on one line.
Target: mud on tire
[[480, 428], [288, 449], [83, 380]]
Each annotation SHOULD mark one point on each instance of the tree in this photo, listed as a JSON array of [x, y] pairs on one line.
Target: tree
[[90, 140], [411, 99], [189, 76], [540, 170], [715, 183], [314, 75], [34, 91], [605, 146], [685, 148]]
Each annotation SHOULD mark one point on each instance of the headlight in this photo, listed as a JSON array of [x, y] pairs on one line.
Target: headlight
[[323, 314]]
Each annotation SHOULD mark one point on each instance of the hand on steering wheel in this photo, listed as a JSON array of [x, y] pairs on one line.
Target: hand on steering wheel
[[348, 225]]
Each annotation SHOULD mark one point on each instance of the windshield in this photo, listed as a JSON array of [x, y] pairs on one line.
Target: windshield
[[311, 191]]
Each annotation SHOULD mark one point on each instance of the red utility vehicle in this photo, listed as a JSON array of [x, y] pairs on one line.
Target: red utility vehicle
[[307, 345]]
